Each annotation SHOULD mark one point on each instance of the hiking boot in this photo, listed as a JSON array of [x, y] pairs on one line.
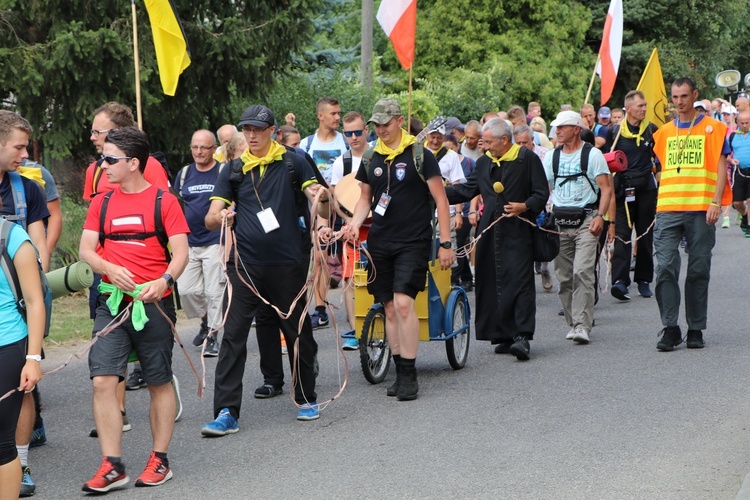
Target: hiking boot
[[319, 320], [177, 397], [644, 290], [350, 345], [520, 348], [546, 281], [38, 437], [671, 337], [408, 386], [267, 391], [202, 333], [695, 339], [224, 424], [503, 348], [308, 411], [28, 487], [135, 381], [581, 335], [106, 478], [620, 291], [156, 472], [212, 347]]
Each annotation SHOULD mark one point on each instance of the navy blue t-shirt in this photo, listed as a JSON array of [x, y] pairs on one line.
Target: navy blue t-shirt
[[36, 205], [196, 192]]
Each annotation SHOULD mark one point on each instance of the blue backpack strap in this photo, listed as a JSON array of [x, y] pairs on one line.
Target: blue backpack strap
[[9, 269], [19, 199], [309, 140]]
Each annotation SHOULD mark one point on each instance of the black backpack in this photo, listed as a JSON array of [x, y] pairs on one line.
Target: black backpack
[[584, 167]]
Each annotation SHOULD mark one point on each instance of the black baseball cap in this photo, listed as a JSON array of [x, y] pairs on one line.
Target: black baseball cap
[[256, 115]]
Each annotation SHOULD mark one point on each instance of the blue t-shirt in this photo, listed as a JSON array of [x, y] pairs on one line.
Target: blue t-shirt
[[12, 326], [575, 192], [196, 192], [741, 149]]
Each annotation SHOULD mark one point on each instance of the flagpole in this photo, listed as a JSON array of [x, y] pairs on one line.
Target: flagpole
[[137, 69], [591, 83], [411, 74]]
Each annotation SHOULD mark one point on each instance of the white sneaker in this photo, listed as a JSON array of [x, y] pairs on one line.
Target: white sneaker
[[571, 334], [580, 335], [725, 223]]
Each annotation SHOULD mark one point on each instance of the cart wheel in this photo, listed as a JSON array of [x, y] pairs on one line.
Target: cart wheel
[[457, 348], [374, 351]]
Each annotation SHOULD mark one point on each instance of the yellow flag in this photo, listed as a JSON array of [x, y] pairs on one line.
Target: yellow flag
[[652, 86], [172, 55]]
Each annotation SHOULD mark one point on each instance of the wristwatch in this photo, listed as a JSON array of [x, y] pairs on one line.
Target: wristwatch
[[169, 278], [35, 357], [446, 245]]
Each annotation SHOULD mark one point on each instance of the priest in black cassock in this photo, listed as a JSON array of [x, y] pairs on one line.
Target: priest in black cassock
[[511, 181]]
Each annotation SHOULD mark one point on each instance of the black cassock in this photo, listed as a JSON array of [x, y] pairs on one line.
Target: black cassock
[[505, 291]]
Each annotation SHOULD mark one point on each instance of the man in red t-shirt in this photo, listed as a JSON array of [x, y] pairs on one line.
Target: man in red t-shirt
[[136, 271]]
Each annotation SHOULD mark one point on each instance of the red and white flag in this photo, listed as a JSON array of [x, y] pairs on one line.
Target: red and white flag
[[610, 50], [398, 18]]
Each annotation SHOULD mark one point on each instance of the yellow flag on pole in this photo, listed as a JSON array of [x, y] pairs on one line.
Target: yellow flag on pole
[[652, 86], [172, 55]]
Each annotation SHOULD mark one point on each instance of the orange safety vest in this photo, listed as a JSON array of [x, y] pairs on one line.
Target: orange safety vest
[[696, 156]]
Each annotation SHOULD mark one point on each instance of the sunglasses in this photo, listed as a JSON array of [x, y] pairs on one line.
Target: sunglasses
[[355, 133], [111, 160]]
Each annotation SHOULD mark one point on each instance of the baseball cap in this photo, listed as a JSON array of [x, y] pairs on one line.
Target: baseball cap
[[384, 110], [567, 118], [699, 104], [440, 129], [729, 109], [605, 112], [256, 115], [453, 123]]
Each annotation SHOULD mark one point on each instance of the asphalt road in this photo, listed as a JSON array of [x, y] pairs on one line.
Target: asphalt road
[[614, 419]]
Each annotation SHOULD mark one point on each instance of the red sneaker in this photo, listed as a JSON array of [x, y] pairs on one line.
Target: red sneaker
[[155, 473], [105, 479]]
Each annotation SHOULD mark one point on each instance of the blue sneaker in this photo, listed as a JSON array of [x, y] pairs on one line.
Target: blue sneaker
[[350, 345], [319, 320], [223, 425], [38, 437], [27, 484], [308, 411]]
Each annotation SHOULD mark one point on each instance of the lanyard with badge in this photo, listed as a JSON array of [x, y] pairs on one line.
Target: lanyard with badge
[[265, 216], [385, 198]]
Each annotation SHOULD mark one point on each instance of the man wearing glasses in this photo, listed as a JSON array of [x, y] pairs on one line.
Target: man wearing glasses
[[122, 243], [201, 285]]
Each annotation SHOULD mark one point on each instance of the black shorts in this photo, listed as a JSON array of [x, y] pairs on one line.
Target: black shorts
[[741, 186], [153, 344], [399, 267]]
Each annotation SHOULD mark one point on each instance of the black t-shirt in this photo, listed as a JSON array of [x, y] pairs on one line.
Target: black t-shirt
[[36, 204], [409, 213], [275, 190], [639, 157]]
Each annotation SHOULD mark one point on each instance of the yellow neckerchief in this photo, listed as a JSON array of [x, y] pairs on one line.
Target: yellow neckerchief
[[275, 152], [627, 134], [137, 315], [406, 141], [433, 152], [509, 155], [33, 173]]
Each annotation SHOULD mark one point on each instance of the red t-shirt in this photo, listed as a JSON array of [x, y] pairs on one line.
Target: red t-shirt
[[133, 213], [154, 175]]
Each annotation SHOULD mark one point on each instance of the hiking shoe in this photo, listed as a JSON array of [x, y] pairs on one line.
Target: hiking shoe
[[223, 424], [135, 381], [581, 335], [155, 473], [38, 437], [125, 426], [671, 337], [212, 347], [308, 411], [201, 336], [571, 334], [620, 291], [350, 345], [28, 487], [319, 320], [266, 391], [503, 348], [725, 223], [644, 290], [695, 339], [106, 478], [546, 281], [177, 397], [520, 348]]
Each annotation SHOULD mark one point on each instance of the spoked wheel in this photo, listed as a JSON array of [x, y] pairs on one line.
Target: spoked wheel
[[374, 351], [457, 348]]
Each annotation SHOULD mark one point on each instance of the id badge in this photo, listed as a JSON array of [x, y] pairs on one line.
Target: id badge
[[629, 194], [268, 220], [382, 204]]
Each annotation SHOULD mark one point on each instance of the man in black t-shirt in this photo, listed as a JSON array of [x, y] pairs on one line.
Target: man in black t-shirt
[[268, 220], [397, 189], [635, 198]]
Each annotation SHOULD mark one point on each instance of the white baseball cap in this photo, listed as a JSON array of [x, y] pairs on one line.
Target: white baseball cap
[[567, 118]]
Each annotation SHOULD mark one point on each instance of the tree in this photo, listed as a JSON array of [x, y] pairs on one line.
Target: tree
[[61, 60]]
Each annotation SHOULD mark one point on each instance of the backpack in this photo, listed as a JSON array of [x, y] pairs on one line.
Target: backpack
[[347, 161], [9, 269], [585, 151], [19, 200], [160, 233]]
